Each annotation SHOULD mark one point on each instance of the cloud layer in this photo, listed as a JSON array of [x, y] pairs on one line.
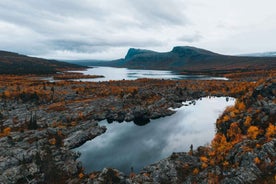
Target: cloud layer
[[102, 29]]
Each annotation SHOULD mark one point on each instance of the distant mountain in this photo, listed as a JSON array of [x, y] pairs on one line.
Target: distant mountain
[[13, 63], [87, 62], [190, 59], [261, 54]]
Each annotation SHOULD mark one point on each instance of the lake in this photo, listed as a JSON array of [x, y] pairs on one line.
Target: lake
[[125, 145], [112, 73]]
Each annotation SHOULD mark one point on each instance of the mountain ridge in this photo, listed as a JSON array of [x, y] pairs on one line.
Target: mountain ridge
[[14, 63], [187, 58]]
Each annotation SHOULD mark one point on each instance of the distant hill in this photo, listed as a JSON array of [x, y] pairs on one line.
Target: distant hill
[[87, 62], [13, 63], [261, 54], [190, 59]]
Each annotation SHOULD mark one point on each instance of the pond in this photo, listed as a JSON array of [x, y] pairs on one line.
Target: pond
[[125, 145], [112, 73]]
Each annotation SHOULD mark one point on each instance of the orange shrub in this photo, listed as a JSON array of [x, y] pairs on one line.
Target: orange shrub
[[257, 160], [204, 159], [241, 106], [270, 131], [225, 164], [232, 114], [252, 132], [234, 131], [7, 94], [81, 175], [226, 118], [212, 162], [204, 165], [247, 122], [7, 131], [219, 143], [195, 171]]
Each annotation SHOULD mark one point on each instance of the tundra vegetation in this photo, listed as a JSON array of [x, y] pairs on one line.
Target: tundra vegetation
[[40, 121]]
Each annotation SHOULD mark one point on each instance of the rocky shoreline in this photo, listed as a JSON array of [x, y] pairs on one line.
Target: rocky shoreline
[[252, 160], [38, 134]]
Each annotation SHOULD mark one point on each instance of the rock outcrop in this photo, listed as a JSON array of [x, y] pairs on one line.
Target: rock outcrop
[[37, 135], [248, 161]]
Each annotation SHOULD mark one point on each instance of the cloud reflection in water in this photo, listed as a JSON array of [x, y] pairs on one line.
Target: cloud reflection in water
[[126, 145]]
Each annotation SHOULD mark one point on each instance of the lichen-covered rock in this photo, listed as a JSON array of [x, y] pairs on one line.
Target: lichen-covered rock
[[82, 133]]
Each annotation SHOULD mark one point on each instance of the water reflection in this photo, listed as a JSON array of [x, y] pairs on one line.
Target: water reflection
[[112, 73], [126, 145]]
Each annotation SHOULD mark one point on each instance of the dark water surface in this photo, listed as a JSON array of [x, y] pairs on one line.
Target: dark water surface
[[126, 145], [112, 73]]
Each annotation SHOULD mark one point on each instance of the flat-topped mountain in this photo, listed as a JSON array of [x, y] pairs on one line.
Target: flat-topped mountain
[[185, 58], [13, 63], [181, 51], [132, 52]]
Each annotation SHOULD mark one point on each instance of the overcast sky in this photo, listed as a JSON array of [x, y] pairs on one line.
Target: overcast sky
[[105, 29]]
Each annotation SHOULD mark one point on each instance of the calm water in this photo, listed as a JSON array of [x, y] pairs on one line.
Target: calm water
[[126, 145], [112, 73]]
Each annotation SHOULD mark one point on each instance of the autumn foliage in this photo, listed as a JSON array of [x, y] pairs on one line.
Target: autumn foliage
[[5, 132], [252, 132], [270, 131], [237, 123]]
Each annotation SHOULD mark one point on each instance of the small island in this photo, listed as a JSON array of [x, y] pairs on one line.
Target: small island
[[74, 75]]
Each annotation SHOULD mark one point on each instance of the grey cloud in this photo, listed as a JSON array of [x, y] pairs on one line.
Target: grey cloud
[[155, 12], [87, 26], [190, 38], [44, 19], [98, 45], [56, 26]]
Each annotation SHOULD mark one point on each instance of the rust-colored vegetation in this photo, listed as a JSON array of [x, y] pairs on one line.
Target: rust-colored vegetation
[[240, 122], [243, 121], [56, 96], [74, 75]]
